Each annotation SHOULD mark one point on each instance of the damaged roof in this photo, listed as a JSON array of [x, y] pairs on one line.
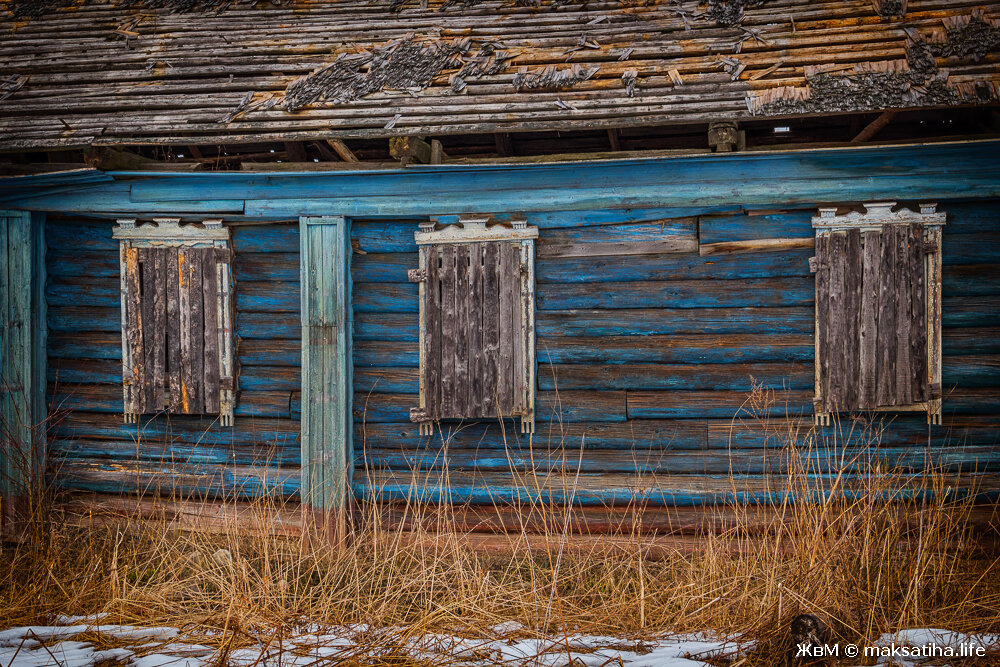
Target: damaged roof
[[76, 73]]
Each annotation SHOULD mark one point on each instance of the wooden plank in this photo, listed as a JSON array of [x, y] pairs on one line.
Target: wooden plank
[[507, 332], [133, 323], [474, 332], [663, 236], [159, 296], [460, 341], [186, 405], [173, 331], [792, 291], [680, 348], [432, 333], [886, 380], [871, 265], [853, 275], [838, 322], [210, 331], [660, 321], [196, 390], [152, 337], [822, 330], [520, 335], [326, 403], [902, 297], [918, 314], [448, 333], [729, 377], [491, 329], [714, 404]]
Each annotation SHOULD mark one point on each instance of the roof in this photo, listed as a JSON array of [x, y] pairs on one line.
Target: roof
[[75, 73]]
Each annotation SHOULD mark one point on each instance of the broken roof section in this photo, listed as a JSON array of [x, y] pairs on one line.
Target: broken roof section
[[75, 73]]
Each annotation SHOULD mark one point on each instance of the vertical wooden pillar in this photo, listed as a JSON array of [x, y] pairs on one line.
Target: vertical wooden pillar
[[22, 361], [327, 454]]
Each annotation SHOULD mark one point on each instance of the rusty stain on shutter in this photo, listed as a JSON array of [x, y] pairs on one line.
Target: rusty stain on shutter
[[176, 319]]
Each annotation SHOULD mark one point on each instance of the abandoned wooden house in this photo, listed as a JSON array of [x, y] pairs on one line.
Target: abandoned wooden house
[[602, 253]]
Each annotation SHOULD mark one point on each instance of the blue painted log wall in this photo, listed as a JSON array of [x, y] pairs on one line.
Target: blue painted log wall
[[644, 361], [96, 451]]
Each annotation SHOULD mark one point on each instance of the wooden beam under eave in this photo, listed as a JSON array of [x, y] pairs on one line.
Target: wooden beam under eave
[[875, 126], [341, 149]]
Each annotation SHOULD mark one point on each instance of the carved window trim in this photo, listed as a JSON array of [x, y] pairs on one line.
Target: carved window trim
[[458, 234], [876, 218], [166, 233]]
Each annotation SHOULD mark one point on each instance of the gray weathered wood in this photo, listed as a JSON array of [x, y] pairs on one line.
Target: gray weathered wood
[[886, 380], [448, 330], [491, 328], [505, 361], [852, 319], [822, 327], [460, 342], [173, 331], [156, 293], [475, 331], [133, 312], [432, 333], [837, 322], [872, 260], [903, 366], [918, 313], [210, 301]]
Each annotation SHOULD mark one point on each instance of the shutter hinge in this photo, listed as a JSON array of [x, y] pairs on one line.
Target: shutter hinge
[[931, 247], [419, 415], [417, 275], [813, 265]]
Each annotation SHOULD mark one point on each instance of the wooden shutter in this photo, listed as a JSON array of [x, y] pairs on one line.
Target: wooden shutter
[[877, 321], [476, 323], [176, 321]]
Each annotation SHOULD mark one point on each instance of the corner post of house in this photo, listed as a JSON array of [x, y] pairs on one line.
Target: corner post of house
[[327, 452], [22, 364]]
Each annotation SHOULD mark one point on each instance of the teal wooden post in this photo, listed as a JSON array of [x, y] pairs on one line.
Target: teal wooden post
[[327, 454], [22, 361]]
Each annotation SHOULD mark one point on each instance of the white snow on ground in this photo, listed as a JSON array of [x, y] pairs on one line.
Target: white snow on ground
[[506, 644]]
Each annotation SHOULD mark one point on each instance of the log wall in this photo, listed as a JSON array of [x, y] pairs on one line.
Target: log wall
[[92, 447], [645, 359]]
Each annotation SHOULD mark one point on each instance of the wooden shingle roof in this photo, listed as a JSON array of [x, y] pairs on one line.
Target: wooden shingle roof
[[76, 73]]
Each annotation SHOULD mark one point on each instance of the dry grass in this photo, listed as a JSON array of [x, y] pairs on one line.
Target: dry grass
[[869, 565]]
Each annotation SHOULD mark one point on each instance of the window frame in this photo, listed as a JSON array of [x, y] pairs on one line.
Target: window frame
[[875, 217], [476, 229], [163, 233]]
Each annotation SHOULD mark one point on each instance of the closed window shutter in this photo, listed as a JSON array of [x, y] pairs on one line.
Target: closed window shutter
[[477, 324], [176, 324], [877, 321]]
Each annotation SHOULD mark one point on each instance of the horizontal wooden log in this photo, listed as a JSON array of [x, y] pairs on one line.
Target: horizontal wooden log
[[715, 404], [566, 406], [654, 237], [385, 326], [754, 247], [280, 238], [617, 435], [382, 267], [167, 451], [722, 229], [276, 266], [177, 479], [254, 432], [672, 266], [593, 489], [668, 462], [679, 349], [662, 321], [695, 376], [91, 510], [678, 294], [251, 296], [99, 371], [107, 398]]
